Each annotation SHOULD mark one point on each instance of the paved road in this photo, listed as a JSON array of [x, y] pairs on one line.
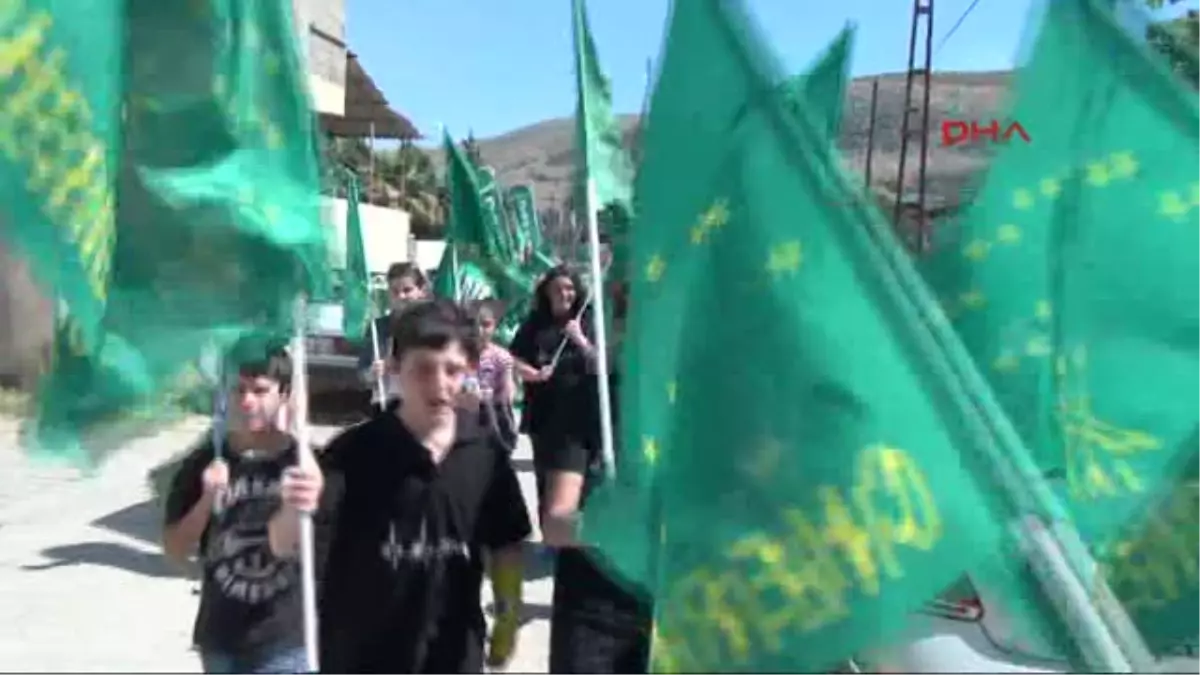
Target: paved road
[[84, 587]]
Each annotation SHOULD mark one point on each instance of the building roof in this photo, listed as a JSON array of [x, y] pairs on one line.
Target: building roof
[[367, 106]]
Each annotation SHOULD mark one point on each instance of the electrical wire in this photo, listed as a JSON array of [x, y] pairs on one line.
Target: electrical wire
[[954, 28]]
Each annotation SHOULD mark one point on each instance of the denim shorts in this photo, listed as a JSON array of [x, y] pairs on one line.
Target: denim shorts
[[282, 661]]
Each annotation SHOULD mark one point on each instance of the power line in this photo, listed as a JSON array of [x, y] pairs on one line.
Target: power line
[[958, 23]]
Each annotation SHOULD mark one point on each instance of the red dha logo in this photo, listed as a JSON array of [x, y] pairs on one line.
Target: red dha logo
[[957, 132]]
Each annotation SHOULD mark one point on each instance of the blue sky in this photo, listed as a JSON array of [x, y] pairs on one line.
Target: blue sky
[[492, 66]]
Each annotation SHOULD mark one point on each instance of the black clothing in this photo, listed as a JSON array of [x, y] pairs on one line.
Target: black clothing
[[580, 646], [250, 601], [567, 403], [598, 624], [400, 540], [565, 408], [501, 418], [543, 446]]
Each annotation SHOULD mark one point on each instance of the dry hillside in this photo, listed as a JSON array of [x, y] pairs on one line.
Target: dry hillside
[[541, 154]]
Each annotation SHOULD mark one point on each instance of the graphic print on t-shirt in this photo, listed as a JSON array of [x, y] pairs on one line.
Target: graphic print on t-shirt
[[395, 551], [240, 564]]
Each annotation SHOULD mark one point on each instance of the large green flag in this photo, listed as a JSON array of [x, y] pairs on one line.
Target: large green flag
[[800, 457], [602, 161], [600, 155], [1072, 278], [60, 137], [356, 281], [1072, 282], [823, 86], [217, 219]]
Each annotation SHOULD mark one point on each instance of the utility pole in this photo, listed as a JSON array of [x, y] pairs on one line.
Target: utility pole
[[922, 14], [871, 135]]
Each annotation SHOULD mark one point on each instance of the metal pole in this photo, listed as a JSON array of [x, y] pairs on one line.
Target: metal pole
[[904, 131], [305, 457], [871, 134], [923, 219], [371, 164], [601, 346], [1063, 587]]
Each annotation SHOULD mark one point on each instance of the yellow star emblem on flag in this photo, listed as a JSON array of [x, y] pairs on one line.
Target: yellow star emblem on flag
[[785, 257], [655, 268], [977, 250], [1008, 234], [650, 450], [1123, 164], [1172, 205], [1022, 199], [1098, 174]]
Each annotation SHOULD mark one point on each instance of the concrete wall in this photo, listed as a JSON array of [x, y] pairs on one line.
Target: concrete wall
[[326, 51], [385, 234], [429, 254]]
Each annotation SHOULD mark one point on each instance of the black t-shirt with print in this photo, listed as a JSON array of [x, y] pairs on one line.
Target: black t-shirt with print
[[250, 600], [401, 539]]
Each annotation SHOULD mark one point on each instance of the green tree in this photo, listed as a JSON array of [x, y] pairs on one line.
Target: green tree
[[410, 174], [1179, 41]]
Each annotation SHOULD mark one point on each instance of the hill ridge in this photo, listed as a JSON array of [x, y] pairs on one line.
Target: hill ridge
[[541, 154]]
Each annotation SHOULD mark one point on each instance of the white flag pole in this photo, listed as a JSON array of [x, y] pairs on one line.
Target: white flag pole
[[380, 390], [305, 457], [220, 419], [597, 296]]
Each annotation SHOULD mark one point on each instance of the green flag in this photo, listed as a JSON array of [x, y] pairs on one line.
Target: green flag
[[217, 220], [61, 134], [524, 207], [356, 280], [600, 155], [602, 160], [521, 206], [491, 196], [1070, 279], [822, 88], [445, 281], [474, 227], [476, 246], [800, 457]]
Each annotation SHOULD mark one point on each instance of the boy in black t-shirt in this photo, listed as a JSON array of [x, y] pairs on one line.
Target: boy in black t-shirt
[[410, 507], [249, 619]]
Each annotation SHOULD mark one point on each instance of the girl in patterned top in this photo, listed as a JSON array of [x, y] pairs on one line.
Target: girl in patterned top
[[496, 386]]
